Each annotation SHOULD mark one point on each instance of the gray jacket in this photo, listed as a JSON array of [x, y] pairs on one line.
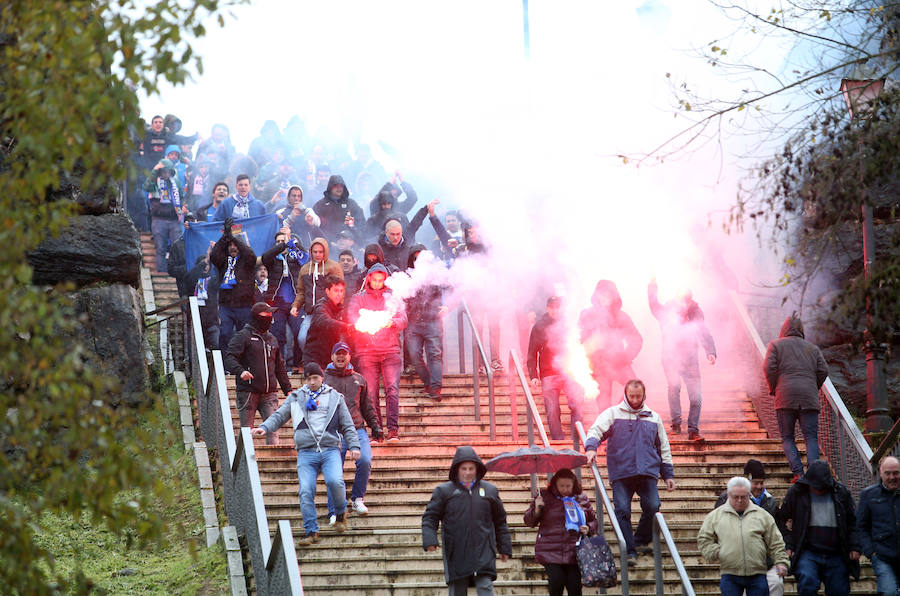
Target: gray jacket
[[339, 422], [794, 369]]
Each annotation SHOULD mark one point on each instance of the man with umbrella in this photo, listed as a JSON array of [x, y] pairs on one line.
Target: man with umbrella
[[474, 525], [637, 455]]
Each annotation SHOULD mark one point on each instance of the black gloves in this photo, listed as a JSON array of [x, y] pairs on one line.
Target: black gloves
[[228, 223]]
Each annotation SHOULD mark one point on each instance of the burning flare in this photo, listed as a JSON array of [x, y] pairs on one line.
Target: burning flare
[[373, 321]]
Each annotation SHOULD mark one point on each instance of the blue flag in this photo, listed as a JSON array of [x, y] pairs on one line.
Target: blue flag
[[258, 232]]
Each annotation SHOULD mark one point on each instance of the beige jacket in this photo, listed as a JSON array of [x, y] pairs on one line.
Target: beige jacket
[[740, 544]]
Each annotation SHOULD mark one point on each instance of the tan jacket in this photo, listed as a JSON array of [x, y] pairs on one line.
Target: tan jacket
[[740, 544], [309, 284]]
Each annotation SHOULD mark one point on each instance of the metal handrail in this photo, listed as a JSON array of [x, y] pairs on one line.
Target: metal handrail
[[477, 352], [660, 527], [610, 514], [845, 447], [534, 418], [889, 445]]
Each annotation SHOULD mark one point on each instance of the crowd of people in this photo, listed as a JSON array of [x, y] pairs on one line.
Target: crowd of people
[[296, 309]]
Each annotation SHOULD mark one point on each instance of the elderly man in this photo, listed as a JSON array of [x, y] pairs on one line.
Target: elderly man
[[755, 472], [878, 520], [741, 536]]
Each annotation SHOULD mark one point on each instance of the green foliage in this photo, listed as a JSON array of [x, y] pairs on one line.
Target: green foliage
[[66, 113]]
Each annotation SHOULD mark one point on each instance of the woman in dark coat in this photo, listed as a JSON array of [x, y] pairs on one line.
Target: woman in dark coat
[[555, 511]]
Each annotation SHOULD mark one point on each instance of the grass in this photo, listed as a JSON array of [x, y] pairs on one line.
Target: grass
[[180, 565]]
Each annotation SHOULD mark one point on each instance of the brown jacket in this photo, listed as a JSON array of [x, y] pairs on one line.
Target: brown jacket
[[310, 287]]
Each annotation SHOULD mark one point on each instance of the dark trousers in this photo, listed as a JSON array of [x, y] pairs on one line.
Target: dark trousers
[[232, 319], [647, 491], [562, 578]]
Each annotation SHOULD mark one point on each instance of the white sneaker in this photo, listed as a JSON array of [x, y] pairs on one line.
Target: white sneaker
[[332, 519], [360, 507]]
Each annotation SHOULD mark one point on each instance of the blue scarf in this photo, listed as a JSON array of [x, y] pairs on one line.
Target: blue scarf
[[312, 402], [295, 253], [168, 195], [242, 206], [228, 279], [574, 515]]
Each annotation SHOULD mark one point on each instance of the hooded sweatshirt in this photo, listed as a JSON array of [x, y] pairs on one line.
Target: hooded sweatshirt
[[609, 336], [386, 340], [795, 369], [318, 429], [310, 288], [334, 211], [163, 193], [472, 519]]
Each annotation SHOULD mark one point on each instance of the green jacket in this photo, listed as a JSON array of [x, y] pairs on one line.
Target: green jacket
[[740, 543]]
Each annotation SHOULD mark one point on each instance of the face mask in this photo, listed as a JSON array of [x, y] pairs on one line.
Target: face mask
[[262, 323]]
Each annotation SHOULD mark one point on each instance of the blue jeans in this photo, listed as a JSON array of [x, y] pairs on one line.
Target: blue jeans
[[427, 335], [812, 569], [363, 467], [809, 424], [887, 573], [623, 490], [374, 367], [281, 321], [165, 232], [675, 372], [551, 386], [302, 331], [231, 320], [734, 585], [309, 463]]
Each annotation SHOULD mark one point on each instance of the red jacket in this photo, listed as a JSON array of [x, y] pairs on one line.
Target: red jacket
[[387, 339]]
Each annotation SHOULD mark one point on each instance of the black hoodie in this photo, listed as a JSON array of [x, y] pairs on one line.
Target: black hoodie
[[472, 519], [797, 508], [334, 211]]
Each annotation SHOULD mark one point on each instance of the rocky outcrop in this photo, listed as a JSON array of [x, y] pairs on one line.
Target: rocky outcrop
[[113, 331], [92, 249]]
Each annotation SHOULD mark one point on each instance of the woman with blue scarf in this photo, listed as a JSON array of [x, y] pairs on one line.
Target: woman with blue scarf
[[562, 514]]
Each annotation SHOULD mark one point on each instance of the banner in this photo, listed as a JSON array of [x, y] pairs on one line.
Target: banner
[[259, 232]]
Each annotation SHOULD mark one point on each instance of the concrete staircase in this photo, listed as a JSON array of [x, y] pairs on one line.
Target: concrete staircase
[[381, 554]]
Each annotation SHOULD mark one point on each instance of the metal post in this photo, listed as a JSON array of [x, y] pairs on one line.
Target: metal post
[[513, 401], [878, 418], [657, 560], [526, 29]]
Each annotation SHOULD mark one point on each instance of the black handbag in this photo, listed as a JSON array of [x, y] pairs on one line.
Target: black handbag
[[596, 562]]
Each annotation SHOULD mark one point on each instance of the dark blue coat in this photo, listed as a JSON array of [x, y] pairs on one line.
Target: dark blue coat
[[878, 520]]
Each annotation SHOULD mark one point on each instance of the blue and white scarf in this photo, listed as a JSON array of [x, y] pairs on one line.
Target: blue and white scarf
[[228, 279], [242, 207], [168, 195], [202, 291], [574, 515]]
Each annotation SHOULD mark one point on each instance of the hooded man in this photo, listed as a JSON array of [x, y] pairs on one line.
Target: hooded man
[[683, 327], [173, 154], [283, 263], [321, 421], [636, 456], [241, 204], [254, 357], [820, 535], [340, 375], [236, 265], [166, 210], [337, 210], [546, 349], [378, 350], [473, 525], [387, 197], [610, 340], [310, 287], [795, 370]]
